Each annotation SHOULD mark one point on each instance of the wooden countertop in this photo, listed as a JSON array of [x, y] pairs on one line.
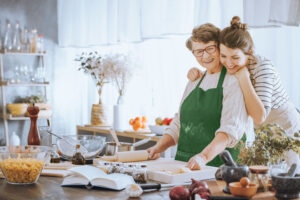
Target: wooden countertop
[[130, 133], [49, 188]]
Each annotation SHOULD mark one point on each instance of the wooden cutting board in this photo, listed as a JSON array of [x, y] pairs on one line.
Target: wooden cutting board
[[159, 170], [216, 188]]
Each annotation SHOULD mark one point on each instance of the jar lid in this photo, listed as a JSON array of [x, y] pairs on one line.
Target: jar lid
[[259, 169]]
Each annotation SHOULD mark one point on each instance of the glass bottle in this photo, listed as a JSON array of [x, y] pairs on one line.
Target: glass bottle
[[40, 44], [55, 158], [16, 43], [78, 158], [25, 41], [7, 38], [33, 41]]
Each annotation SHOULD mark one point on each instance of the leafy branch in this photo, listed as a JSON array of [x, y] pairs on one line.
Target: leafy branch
[[269, 147]]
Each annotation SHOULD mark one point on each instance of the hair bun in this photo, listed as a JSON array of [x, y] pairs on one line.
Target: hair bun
[[236, 23]]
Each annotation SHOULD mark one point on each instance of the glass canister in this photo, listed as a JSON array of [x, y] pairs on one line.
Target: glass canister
[[139, 174], [259, 175], [128, 169], [118, 167]]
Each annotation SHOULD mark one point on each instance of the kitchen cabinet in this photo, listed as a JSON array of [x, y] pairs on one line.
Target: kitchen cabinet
[[10, 86]]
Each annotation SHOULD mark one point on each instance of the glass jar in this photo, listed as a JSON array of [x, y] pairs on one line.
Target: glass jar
[[260, 176], [118, 167], [108, 167], [139, 174], [128, 169]]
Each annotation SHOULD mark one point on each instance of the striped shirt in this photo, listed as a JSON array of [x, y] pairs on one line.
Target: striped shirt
[[267, 83]]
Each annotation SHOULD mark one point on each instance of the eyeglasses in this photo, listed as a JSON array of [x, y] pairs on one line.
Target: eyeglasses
[[210, 49]]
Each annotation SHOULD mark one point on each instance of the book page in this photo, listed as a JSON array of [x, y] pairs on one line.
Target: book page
[[113, 181], [75, 180], [89, 172]]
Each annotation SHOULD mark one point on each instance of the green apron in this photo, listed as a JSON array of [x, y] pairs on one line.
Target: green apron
[[200, 117]]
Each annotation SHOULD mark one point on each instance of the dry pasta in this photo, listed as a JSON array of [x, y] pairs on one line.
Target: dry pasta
[[21, 170]]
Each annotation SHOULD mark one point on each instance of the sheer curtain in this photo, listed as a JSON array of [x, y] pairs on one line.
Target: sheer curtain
[[154, 32]]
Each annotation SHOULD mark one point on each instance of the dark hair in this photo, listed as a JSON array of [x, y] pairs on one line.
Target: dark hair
[[204, 33], [236, 36]]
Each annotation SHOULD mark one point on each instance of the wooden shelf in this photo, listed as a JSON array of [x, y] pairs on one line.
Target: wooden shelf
[[23, 53], [10, 117], [7, 83]]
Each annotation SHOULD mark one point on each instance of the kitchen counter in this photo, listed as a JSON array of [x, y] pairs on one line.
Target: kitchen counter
[[49, 188], [130, 133]]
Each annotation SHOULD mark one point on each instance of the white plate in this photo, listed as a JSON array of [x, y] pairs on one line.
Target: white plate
[[159, 130]]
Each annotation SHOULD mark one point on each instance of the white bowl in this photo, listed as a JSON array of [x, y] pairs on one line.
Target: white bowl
[[159, 130]]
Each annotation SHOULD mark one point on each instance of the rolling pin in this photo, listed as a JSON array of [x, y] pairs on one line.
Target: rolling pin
[[132, 156]]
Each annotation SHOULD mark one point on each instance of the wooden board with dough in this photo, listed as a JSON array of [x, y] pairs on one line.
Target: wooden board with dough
[[173, 171]]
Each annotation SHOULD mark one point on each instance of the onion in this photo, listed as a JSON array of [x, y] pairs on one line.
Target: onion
[[200, 188], [179, 193]]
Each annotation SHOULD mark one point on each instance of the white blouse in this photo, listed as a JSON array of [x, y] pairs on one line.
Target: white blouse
[[234, 118]]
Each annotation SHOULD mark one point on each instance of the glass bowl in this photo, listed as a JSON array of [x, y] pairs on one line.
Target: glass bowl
[[23, 164], [90, 145]]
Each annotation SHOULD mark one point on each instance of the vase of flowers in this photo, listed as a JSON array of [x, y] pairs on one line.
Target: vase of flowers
[[92, 63], [120, 68]]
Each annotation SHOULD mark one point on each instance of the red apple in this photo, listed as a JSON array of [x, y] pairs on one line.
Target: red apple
[[166, 120], [170, 120]]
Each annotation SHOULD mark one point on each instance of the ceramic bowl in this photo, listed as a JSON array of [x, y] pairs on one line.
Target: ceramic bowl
[[23, 164], [237, 189], [159, 130], [286, 187], [17, 109]]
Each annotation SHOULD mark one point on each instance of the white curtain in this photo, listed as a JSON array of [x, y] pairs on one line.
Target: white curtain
[[271, 13], [162, 60], [97, 22]]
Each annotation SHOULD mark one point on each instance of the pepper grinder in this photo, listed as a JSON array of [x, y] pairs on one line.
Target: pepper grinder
[[33, 135]]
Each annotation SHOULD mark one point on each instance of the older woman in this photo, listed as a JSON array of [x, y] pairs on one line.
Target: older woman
[[212, 114]]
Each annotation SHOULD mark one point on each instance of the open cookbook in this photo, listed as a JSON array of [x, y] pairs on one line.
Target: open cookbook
[[90, 177]]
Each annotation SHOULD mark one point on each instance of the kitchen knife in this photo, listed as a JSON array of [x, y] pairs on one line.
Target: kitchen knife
[[158, 186]]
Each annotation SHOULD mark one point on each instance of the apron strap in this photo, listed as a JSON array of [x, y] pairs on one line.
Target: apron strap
[[201, 80], [222, 77]]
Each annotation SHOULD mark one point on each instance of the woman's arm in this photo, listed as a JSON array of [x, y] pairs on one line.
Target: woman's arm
[[163, 144], [254, 105], [217, 145]]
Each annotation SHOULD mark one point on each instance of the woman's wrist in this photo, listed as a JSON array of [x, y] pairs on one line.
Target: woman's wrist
[[202, 158]]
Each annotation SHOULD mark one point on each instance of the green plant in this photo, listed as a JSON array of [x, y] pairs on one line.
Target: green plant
[[270, 145], [31, 99]]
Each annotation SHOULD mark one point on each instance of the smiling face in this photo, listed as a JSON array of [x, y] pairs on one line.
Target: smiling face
[[210, 59], [233, 59]]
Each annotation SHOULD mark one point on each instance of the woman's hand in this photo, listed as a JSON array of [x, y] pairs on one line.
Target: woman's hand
[[196, 162], [242, 73], [194, 74], [154, 153]]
